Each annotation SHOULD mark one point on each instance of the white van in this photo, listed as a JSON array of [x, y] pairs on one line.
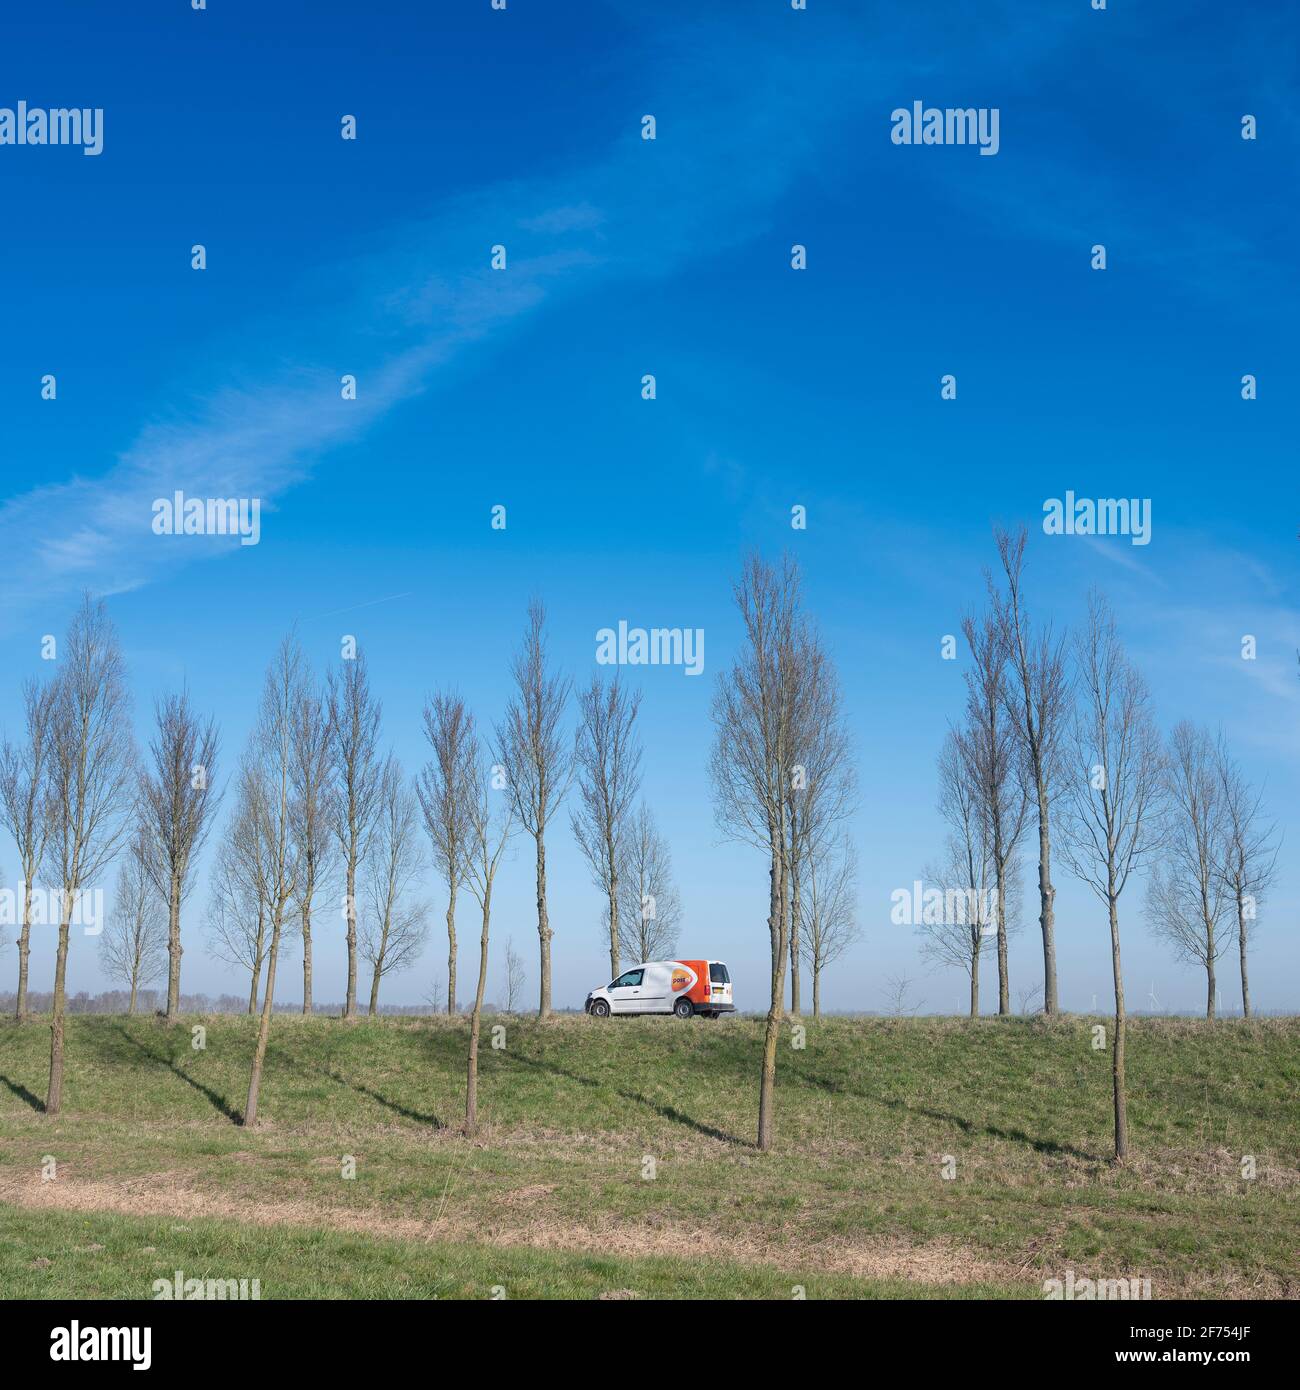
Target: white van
[[681, 987]]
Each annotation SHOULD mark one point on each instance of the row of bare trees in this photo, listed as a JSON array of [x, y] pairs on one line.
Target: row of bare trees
[[70, 791], [538, 763], [349, 818], [73, 790], [1063, 728]]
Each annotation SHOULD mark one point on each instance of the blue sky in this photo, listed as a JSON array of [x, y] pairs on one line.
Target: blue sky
[[775, 387]]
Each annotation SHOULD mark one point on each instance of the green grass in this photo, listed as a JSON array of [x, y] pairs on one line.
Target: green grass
[[65, 1255], [550, 1199]]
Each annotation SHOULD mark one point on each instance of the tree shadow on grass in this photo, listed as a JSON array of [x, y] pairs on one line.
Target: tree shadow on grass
[[405, 1111], [667, 1112], [215, 1097], [1015, 1136], [24, 1094]]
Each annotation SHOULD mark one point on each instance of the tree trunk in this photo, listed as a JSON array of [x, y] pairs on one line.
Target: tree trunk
[[1121, 1092], [1004, 981], [471, 1079], [451, 949], [130, 1008], [306, 956], [54, 1098], [794, 936], [350, 1008], [257, 960], [25, 951], [264, 1028], [1047, 901], [374, 985], [543, 931], [817, 990], [776, 929], [975, 986], [173, 950], [1241, 945], [1209, 972], [613, 910]]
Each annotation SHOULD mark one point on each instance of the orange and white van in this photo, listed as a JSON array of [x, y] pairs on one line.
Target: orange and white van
[[681, 987]]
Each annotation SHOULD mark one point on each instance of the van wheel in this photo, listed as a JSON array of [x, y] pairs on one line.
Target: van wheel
[[600, 1008], [683, 1008]]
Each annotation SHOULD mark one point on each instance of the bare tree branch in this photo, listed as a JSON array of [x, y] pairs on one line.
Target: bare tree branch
[[25, 807], [538, 761], [608, 757], [178, 800], [1113, 797], [393, 927], [445, 787], [92, 783], [354, 715]]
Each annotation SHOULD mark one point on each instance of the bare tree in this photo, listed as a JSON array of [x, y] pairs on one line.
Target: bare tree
[[133, 947], [1112, 797], [354, 737], [1029, 997], [237, 904], [753, 759], [538, 761], [435, 997], [650, 909], [445, 788], [830, 909], [898, 996], [92, 770], [608, 759], [821, 793], [1187, 899], [313, 797], [1002, 794], [955, 931], [394, 928], [270, 768], [24, 808], [1038, 698], [177, 799], [1249, 855], [491, 823], [514, 980]]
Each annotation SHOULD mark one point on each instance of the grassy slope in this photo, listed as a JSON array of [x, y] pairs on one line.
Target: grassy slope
[[551, 1199]]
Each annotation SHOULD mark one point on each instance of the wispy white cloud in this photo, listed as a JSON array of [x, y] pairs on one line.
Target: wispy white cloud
[[731, 146]]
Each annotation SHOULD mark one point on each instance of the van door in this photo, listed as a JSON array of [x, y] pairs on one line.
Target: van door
[[655, 990], [625, 993], [719, 983]]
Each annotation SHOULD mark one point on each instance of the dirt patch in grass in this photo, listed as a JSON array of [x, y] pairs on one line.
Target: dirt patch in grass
[[934, 1262]]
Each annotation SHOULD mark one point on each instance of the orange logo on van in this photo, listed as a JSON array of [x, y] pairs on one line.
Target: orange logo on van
[[681, 979]]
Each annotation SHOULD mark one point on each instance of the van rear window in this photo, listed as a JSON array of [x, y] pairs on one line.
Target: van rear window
[[718, 973]]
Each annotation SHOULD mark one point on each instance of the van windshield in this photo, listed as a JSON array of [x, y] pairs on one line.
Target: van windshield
[[718, 973]]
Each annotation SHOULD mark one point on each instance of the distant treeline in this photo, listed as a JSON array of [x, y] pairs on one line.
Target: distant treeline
[[117, 1001]]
